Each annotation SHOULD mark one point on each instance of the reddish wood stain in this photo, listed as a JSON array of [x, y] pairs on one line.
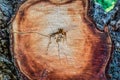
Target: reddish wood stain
[[59, 42]]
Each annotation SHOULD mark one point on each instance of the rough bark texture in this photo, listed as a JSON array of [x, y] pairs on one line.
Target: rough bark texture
[[59, 42], [8, 70]]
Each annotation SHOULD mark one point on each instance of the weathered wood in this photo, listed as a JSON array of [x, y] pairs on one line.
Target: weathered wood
[[60, 1], [59, 42]]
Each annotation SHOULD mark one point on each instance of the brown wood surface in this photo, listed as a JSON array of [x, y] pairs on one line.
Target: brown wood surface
[[59, 41]]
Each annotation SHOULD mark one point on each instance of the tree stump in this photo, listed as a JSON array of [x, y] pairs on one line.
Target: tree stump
[[53, 40]]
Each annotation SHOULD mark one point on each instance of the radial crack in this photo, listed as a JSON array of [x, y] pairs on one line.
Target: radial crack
[[31, 32]]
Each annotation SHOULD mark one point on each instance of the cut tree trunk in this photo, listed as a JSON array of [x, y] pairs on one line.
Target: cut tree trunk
[[59, 41]]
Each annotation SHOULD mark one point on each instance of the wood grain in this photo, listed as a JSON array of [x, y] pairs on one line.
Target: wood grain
[[59, 42]]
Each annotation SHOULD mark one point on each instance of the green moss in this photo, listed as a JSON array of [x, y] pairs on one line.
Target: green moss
[[107, 4]]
